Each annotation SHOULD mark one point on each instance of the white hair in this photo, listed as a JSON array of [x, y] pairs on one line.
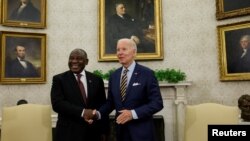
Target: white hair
[[245, 37], [130, 42]]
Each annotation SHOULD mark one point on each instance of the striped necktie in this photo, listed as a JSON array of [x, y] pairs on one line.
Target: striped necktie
[[123, 85]]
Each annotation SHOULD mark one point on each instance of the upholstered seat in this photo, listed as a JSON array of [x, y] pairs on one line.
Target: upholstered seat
[[198, 117], [27, 122]]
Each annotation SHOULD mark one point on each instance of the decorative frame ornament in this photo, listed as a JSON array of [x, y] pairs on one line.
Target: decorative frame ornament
[[231, 8]]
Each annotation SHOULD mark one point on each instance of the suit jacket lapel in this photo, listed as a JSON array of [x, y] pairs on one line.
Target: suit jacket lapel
[[90, 87], [133, 79], [75, 88]]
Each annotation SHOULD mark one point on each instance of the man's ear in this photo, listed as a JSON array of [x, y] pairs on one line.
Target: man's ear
[[87, 61]]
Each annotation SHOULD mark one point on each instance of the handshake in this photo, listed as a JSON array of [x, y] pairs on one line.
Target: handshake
[[90, 115], [124, 116]]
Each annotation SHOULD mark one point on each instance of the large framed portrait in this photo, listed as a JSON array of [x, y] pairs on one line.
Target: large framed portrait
[[234, 51], [232, 8], [138, 20], [24, 13], [23, 58]]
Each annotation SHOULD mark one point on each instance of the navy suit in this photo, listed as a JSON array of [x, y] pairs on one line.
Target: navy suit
[[240, 64], [143, 95], [67, 101]]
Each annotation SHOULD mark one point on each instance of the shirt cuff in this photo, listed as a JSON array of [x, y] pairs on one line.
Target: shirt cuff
[[134, 115], [82, 112], [98, 115]]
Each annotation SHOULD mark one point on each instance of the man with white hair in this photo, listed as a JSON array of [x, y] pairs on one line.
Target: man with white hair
[[135, 95], [242, 62]]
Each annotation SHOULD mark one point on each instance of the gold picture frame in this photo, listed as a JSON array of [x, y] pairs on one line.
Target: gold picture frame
[[233, 43], [33, 15], [23, 58], [231, 8], [149, 26]]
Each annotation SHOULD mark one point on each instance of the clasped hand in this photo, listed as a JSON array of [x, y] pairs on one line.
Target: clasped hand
[[90, 115], [124, 116]]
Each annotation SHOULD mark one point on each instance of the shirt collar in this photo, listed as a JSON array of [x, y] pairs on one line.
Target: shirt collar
[[130, 68], [120, 16], [20, 59], [83, 73]]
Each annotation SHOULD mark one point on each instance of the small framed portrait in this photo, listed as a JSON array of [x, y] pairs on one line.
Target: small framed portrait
[[138, 20], [231, 8], [234, 51], [23, 58], [24, 13]]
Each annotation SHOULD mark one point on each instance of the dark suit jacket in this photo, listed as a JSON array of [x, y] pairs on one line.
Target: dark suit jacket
[[67, 101], [29, 13], [143, 95], [15, 69], [118, 28], [240, 65]]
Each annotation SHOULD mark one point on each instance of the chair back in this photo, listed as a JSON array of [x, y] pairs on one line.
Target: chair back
[[27, 122], [198, 117]]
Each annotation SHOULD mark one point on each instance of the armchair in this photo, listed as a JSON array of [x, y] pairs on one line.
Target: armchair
[[27, 122], [199, 116]]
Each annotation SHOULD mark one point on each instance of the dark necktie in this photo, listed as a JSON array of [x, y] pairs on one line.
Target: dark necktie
[[123, 85], [81, 86]]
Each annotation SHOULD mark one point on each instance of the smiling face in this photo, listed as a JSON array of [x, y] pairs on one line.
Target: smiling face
[[126, 52], [77, 60]]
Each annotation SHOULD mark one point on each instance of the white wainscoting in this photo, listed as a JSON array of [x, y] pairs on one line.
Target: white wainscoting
[[174, 99]]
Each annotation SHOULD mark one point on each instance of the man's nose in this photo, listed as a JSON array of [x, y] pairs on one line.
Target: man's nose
[[74, 60]]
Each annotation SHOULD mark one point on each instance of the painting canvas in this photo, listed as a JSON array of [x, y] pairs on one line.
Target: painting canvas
[[23, 57], [234, 51], [136, 20], [24, 13]]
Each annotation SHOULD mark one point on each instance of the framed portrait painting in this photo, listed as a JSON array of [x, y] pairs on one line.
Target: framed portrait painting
[[232, 8], [24, 13], [234, 51], [138, 20], [23, 58]]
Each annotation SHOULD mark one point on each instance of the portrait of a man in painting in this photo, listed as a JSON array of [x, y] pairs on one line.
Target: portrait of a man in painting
[[130, 19]]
